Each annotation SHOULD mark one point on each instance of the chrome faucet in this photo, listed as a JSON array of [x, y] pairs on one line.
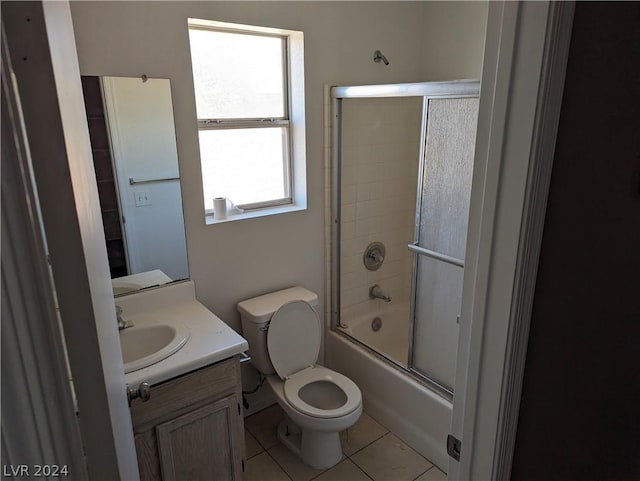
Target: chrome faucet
[[376, 292], [122, 324]]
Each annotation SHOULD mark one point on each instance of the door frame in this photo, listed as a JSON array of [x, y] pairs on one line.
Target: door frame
[[41, 45], [30, 326], [525, 59], [127, 217], [526, 52]]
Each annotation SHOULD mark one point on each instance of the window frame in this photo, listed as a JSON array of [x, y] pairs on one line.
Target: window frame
[[238, 123]]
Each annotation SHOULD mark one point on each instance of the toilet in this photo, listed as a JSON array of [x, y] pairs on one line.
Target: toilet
[[284, 334]]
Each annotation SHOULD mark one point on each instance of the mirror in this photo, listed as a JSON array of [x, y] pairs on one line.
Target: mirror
[[133, 142]]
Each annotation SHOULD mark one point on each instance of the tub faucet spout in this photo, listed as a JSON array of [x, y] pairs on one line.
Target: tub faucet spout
[[122, 324], [376, 292]]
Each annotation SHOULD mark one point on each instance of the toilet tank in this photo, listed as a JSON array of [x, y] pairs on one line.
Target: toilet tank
[[256, 313]]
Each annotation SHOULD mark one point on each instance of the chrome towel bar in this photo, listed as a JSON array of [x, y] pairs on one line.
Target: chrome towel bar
[[148, 181]]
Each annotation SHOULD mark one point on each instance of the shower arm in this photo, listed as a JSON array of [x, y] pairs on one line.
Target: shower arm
[[379, 57]]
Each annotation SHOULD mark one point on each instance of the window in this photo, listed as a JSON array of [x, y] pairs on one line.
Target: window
[[250, 110]]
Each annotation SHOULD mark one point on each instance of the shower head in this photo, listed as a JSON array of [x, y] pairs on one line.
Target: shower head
[[377, 57]]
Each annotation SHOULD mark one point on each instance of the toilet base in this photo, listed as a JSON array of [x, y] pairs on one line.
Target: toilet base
[[320, 450]]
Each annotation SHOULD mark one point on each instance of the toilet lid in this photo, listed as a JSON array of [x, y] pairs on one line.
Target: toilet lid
[[293, 338]]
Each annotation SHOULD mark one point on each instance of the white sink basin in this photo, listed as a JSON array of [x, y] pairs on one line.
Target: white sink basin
[[145, 345]]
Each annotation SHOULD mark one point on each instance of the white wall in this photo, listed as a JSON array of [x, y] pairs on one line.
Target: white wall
[[236, 260], [453, 41]]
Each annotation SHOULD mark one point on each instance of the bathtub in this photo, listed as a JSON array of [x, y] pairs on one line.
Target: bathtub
[[415, 413], [391, 339]]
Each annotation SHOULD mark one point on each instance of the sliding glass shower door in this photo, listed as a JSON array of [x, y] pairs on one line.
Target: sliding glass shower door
[[440, 236], [401, 175]]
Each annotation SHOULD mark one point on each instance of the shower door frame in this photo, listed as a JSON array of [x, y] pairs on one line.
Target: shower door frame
[[456, 89]]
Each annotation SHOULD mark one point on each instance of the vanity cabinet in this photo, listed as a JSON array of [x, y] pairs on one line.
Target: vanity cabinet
[[192, 427]]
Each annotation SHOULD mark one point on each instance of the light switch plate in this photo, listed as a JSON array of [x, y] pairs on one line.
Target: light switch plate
[[142, 197]]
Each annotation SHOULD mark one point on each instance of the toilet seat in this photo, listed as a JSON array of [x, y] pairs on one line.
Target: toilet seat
[[293, 341], [299, 380]]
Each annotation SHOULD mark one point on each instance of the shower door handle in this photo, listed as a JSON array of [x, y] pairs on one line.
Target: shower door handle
[[435, 255]]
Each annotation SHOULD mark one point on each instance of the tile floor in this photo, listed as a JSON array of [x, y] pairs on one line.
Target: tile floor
[[371, 452]]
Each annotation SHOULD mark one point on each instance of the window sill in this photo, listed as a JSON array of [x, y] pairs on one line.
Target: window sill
[[280, 209]]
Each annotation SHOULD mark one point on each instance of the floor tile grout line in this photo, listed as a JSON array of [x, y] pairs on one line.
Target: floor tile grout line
[[361, 468], [349, 457], [370, 476], [377, 422], [365, 473], [320, 474], [257, 454], [377, 439], [342, 461], [424, 472], [256, 438], [367, 445], [394, 434], [278, 464], [264, 448]]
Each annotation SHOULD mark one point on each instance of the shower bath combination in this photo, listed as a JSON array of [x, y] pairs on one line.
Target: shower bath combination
[[412, 234], [402, 162]]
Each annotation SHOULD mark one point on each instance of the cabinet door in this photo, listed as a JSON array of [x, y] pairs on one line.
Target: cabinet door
[[204, 444]]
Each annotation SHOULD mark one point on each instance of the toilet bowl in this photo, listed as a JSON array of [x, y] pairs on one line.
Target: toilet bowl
[[318, 402], [315, 438]]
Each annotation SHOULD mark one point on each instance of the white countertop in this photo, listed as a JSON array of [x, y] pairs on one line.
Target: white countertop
[[210, 341], [135, 282]]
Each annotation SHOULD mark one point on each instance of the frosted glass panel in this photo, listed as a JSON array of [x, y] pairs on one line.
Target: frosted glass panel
[[446, 188], [438, 300], [443, 219]]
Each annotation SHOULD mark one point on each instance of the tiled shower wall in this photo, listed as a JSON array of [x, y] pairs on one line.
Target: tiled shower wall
[[380, 149]]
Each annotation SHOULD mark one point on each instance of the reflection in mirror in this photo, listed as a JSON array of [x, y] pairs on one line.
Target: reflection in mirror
[[136, 162]]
